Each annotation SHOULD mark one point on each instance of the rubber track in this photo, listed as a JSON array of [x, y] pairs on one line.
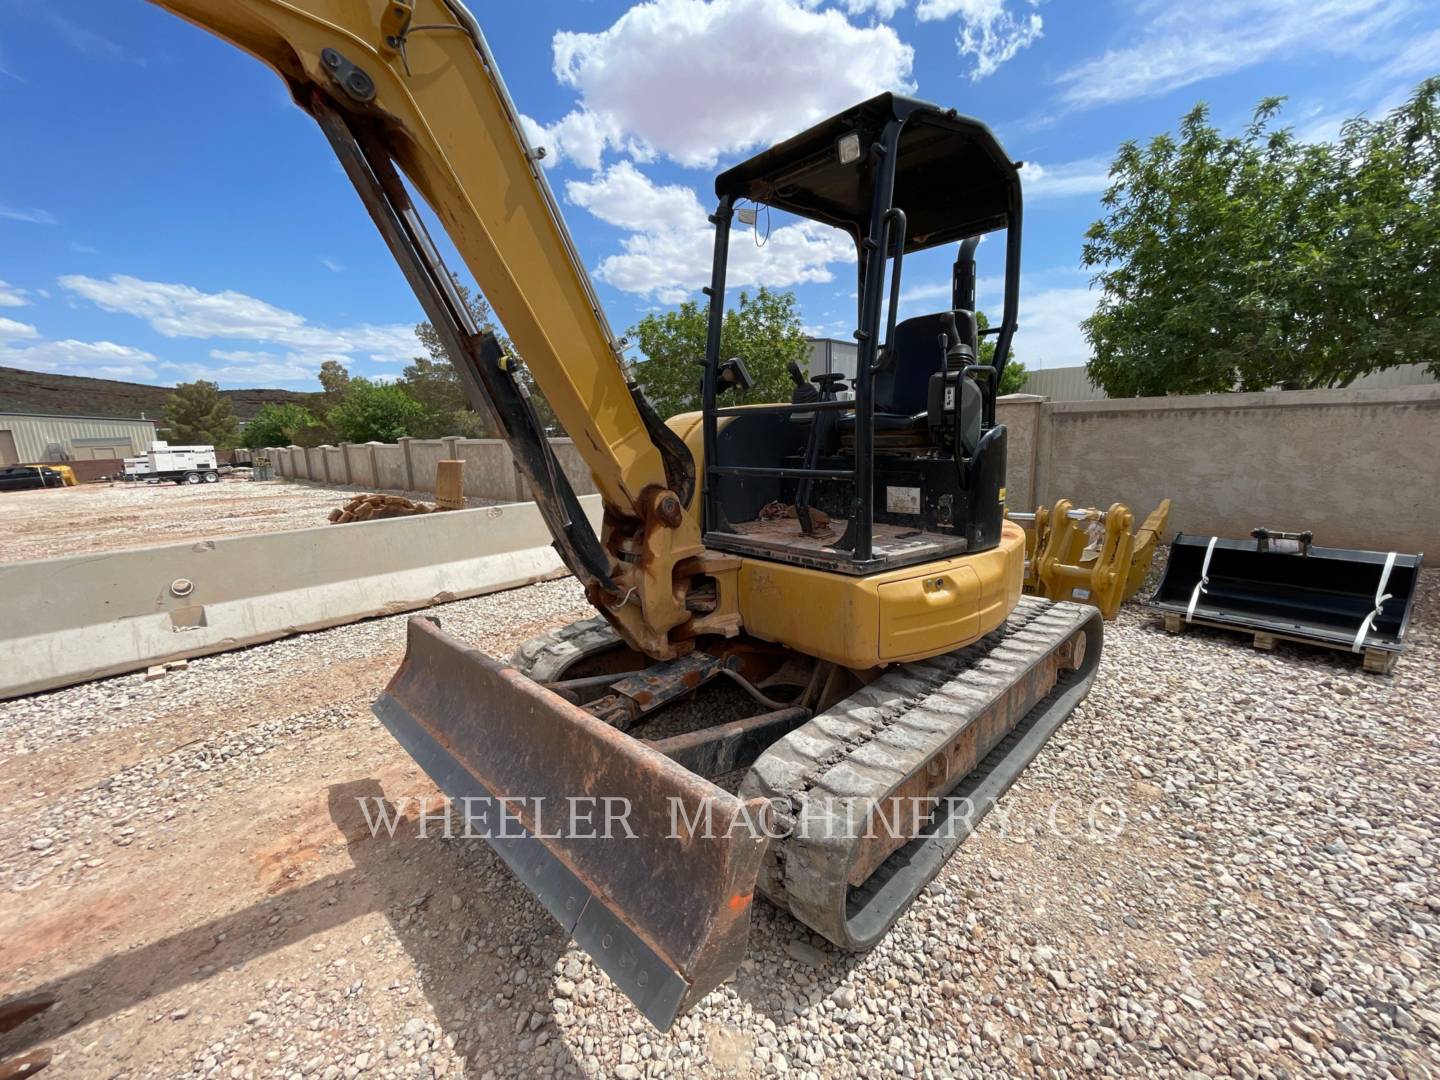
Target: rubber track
[[866, 745], [546, 658]]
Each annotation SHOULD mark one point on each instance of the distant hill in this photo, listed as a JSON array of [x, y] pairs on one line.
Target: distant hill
[[77, 395]]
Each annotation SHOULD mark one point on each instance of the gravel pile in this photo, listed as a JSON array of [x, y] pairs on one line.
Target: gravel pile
[[1224, 865]]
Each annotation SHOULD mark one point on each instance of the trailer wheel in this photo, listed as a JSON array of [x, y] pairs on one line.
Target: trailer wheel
[[212, 477], [192, 478]]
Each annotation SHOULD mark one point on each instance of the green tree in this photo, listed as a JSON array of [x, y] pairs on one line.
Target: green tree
[[1259, 260], [278, 424], [197, 414], [334, 382], [763, 330], [376, 412], [1012, 379]]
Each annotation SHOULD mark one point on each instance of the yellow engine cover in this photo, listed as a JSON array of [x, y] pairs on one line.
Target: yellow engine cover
[[906, 614]]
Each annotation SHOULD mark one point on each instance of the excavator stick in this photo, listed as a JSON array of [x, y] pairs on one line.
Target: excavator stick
[[648, 866]]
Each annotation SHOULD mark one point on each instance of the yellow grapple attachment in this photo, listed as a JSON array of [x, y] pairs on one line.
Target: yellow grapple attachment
[[1062, 563]]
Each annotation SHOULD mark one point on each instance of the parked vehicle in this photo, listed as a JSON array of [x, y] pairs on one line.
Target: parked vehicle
[[25, 477], [67, 474], [178, 464]]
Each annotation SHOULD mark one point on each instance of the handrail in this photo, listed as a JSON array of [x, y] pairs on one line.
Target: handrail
[[783, 472], [786, 407], [897, 241]]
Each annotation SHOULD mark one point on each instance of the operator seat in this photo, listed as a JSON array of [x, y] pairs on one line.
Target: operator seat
[[921, 347]]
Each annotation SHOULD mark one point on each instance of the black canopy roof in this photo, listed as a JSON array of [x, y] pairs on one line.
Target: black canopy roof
[[953, 179]]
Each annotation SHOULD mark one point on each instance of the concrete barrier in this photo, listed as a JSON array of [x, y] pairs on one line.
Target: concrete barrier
[[83, 617]]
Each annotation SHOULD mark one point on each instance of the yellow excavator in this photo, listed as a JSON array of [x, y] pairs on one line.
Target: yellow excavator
[[828, 585]]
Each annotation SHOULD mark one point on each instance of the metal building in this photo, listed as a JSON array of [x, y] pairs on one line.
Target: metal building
[[831, 354], [28, 437]]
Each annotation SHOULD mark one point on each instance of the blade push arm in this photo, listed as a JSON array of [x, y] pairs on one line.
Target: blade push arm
[[413, 86]]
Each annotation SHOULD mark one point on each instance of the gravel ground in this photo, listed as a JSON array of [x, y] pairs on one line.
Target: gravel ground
[[46, 523], [1224, 864]]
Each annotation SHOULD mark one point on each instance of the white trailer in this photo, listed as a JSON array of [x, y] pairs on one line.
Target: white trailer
[[180, 464]]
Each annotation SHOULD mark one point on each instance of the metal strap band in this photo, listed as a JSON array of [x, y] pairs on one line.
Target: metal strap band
[[1204, 579], [1380, 597]]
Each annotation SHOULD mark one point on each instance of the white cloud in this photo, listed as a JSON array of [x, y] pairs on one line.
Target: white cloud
[[917, 298], [10, 296], [625, 197], [333, 265], [1049, 333], [251, 368], [884, 9], [14, 330], [1051, 309], [97, 359], [1089, 176], [580, 136], [31, 216], [183, 311], [989, 31], [667, 255], [1183, 42], [692, 79]]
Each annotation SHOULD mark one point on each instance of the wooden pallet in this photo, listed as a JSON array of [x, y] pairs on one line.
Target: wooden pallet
[[1379, 661]]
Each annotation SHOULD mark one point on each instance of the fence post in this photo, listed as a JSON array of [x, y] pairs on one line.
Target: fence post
[[374, 465], [409, 464], [345, 461]]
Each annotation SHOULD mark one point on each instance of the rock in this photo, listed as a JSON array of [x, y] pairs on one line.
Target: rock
[[806, 953]]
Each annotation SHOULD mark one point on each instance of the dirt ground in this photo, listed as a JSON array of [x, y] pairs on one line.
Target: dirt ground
[[183, 863], [51, 522]]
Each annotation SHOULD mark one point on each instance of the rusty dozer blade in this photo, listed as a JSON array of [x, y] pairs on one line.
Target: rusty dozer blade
[[661, 899]]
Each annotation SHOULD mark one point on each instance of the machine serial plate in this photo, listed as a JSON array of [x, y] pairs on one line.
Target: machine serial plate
[[902, 500]]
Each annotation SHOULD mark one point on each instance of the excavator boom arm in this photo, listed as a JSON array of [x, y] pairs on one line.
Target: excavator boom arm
[[410, 86]]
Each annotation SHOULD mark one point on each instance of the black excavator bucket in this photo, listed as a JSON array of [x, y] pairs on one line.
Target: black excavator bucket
[[1279, 585], [649, 867]]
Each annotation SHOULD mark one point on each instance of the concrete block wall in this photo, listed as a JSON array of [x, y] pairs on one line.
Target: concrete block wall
[[490, 470], [359, 465], [390, 474], [335, 470], [1358, 467]]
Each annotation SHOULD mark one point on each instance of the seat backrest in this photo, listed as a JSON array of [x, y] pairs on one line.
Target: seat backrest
[[916, 352]]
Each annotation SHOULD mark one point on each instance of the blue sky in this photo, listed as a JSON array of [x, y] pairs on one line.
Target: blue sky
[[166, 213]]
